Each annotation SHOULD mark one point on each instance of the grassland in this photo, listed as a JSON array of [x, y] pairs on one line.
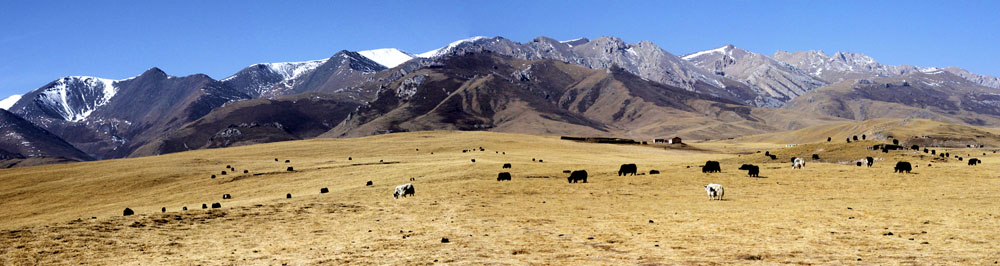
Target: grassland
[[830, 213]]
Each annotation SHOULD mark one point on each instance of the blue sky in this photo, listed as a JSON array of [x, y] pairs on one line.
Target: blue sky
[[44, 40]]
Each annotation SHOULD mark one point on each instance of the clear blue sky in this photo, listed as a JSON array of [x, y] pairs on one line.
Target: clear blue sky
[[44, 40]]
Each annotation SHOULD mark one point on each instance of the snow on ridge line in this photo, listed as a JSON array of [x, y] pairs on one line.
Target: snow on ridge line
[[452, 45], [8, 102], [722, 49], [288, 70], [388, 57], [573, 40]]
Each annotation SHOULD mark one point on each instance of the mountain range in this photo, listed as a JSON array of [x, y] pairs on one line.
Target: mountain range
[[599, 87]]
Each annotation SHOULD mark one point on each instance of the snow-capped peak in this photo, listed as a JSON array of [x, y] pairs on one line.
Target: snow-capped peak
[[727, 50], [388, 57], [446, 49], [9, 101], [289, 70], [61, 97]]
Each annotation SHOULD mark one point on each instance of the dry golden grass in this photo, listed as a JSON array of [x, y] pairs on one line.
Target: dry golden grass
[[827, 213]]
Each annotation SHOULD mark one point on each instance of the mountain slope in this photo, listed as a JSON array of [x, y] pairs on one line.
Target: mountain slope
[[293, 117], [772, 78], [108, 119], [258, 80], [488, 91], [22, 139], [937, 95], [644, 59]]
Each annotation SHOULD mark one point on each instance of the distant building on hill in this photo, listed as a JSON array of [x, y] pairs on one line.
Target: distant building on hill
[[674, 140]]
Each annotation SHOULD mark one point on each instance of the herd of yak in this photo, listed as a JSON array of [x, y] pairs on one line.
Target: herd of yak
[[715, 191]]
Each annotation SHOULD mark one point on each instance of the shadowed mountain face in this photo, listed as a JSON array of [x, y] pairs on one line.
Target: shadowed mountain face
[[489, 91], [294, 117], [22, 140], [109, 119]]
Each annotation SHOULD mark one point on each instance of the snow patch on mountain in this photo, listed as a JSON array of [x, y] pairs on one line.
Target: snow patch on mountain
[[388, 57], [75, 97], [722, 50], [446, 49], [9, 101]]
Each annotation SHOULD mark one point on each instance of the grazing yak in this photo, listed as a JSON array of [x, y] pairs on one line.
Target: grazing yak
[[127, 212], [773, 157], [974, 161], [815, 157], [902, 167], [870, 161], [627, 169], [654, 172], [752, 170], [859, 163], [216, 205], [798, 163], [503, 176], [324, 190], [403, 190], [711, 167], [226, 196], [369, 183], [714, 191], [578, 175], [567, 171], [506, 165]]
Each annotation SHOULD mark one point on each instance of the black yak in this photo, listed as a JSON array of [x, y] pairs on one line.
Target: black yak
[[902, 167], [752, 170], [503, 176], [974, 161], [127, 212], [324, 190], [815, 156], [870, 161], [627, 169], [654, 172], [578, 175], [216, 205], [506, 165], [369, 183], [712, 167]]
